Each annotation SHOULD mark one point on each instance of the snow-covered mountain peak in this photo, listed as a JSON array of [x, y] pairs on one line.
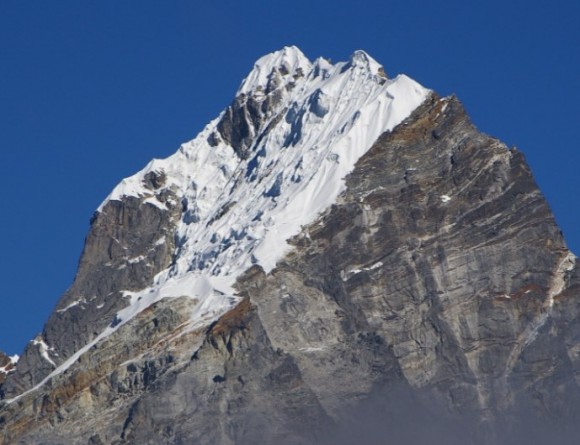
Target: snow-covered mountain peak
[[266, 167], [287, 63]]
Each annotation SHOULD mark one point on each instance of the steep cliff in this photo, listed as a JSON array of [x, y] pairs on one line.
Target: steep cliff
[[242, 292]]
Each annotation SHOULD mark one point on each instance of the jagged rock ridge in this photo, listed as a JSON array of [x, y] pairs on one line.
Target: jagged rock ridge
[[435, 273]]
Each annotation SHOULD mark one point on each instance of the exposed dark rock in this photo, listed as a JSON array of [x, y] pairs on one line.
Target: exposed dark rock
[[240, 124], [155, 180]]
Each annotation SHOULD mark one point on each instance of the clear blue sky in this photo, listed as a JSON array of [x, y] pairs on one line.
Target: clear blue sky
[[90, 91]]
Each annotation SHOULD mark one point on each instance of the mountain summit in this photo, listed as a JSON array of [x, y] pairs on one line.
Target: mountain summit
[[335, 242]]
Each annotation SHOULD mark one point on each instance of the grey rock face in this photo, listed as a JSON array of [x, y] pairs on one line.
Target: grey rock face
[[438, 291], [6, 367], [129, 242]]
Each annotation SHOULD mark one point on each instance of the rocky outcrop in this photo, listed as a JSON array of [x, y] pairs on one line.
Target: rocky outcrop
[[129, 242]]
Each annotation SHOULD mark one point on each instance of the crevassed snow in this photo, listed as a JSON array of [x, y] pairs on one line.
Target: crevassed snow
[[241, 212]]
